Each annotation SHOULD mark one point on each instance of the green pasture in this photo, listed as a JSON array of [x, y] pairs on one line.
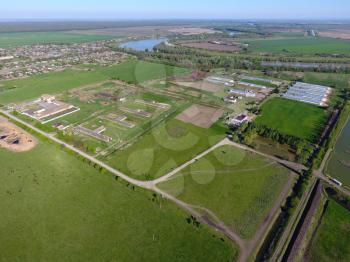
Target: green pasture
[[31, 38], [300, 45], [331, 241], [132, 71], [167, 146], [58, 208], [293, 118], [239, 187]]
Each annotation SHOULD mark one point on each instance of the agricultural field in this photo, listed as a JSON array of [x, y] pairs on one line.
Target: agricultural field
[[168, 145], [56, 213], [328, 79], [331, 241], [238, 186], [299, 45], [31, 38], [293, 118], [131, 71]]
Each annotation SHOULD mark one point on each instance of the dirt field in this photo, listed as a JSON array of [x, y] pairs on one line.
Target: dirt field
[[201, 85], [192, 31], [337, 33], [212, 46], [15, 139], [200, 115]]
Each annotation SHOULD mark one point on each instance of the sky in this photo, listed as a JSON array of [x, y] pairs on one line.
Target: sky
[[175, 9]]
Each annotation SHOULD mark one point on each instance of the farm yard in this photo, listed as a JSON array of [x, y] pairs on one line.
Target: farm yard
[[292, 118], [78, 214], [238, 186]]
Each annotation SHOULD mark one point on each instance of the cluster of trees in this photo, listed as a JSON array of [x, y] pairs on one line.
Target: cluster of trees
[[303, 148], [205, 60]]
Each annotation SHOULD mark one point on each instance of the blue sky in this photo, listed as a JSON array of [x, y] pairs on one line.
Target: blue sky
[[182, 9]]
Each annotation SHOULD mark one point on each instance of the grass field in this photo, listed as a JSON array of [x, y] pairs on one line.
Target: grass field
[[239, 187], [131, 71], [58, 208], [337, 80], [300, 45], [292, 118], [168, 145], [30, 38], [332, 242]]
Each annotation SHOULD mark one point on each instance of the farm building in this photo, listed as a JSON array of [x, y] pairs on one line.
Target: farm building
[[242, 83], [46, 108], [231, 99], [309, 93], [239, 120], [220, 80], [240, 92]]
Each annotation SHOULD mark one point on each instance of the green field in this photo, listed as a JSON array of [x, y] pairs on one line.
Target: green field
[[239, 187], [58, 208], [300, 45], [292, 118], [337, 80], [131, 71], [31, 38], [332, 242], [168, 145]]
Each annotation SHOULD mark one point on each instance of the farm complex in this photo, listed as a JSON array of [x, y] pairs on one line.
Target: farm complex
[[185, 141]]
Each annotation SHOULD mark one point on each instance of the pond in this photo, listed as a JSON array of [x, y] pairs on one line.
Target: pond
[[339, 164], [143, 45]]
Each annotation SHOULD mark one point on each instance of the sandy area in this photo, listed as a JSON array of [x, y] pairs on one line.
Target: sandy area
[[200, 115], [15, 139]]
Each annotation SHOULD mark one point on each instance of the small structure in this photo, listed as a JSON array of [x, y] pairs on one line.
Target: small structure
[[239, 120], [231, 99], [246, 93]]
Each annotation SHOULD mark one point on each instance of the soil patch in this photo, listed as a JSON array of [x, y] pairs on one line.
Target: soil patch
[[200, 115], [15, 139]]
